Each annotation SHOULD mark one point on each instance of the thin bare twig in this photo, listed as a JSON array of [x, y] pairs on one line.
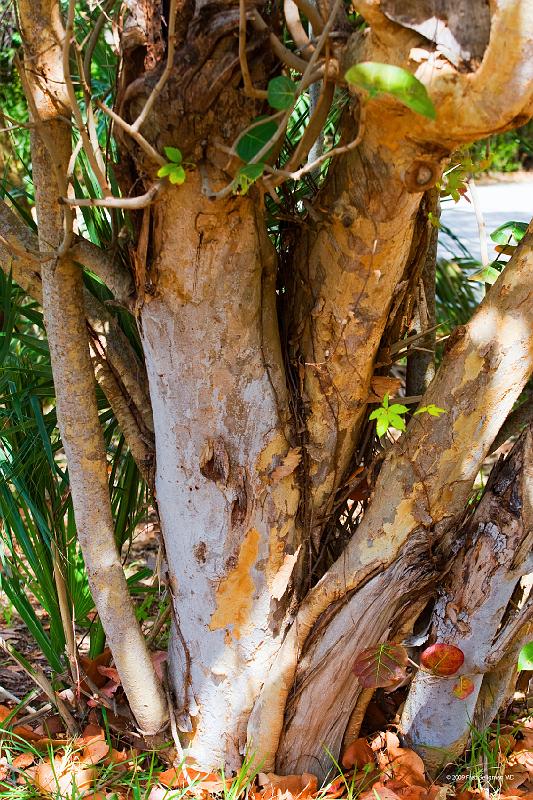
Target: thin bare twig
[[316, 123], [249, 88], [285, 55], [95, 162], [301, 85], [296, 29], [16, 250], [138, 137], [483, 242], [312, 13], [336, 151], [158, 624], [66, 615], [166, 72], [40, 679], [93, 39], [128, 203], [5, 694]]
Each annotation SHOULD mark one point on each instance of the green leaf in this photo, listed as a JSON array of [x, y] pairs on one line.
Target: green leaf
[[379, 413], [434, 221], [486, 275], [431, 409], [177, 175], [385, 401], [509, 230], [397, 422], [254, 139], [382, 426], [165, 170], [247, 176], [525, 659], [173, 154], [281, 92], [398, 82], [397, 408]]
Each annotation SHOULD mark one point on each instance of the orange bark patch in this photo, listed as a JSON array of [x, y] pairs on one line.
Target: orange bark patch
[[235, 593]]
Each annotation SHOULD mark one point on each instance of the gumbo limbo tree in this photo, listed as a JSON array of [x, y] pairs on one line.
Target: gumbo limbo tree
[[270, 182]]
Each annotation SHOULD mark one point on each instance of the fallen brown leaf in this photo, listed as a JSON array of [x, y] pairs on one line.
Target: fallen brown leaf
[[379, 792], [61, 776], [406, 765], [94, 751], [90, 667], [23, 760], [301, 786], [159, 658], [380, 385], [515, 774], [357, 754], [179, 778]]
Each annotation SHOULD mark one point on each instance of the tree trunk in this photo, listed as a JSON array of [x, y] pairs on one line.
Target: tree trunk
[[226, 474]]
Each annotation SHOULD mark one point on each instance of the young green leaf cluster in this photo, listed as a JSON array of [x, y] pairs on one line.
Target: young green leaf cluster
[[392, 416], [173, 170], [507, 237], [389, 416]]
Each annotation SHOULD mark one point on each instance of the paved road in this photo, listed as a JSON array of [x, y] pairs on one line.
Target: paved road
[[499, 202]]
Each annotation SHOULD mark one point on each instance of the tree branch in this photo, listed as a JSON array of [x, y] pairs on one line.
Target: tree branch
[[109, 269], [73, 376], [517, 419], [125, 377]]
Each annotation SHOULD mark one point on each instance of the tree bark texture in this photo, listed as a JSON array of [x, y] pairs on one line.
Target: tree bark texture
[[227, 509], [473, 609], [247, 470]]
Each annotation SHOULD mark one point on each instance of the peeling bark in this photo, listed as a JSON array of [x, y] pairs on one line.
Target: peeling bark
[[241, 485], [427, 477], [228, 519], [348, 268], [324, 679]]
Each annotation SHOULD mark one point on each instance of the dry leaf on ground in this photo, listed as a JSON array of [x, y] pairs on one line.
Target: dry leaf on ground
[[402, 764], [63, 775], [297, 785], [23, 760], [379, 792], [357, 754]]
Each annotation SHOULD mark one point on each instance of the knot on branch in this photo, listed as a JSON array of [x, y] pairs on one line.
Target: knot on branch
[[422, 175], [214, 461]]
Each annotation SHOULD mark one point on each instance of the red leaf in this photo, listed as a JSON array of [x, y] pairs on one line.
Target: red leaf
[[383, 665], [463, 688], [442, 659]]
